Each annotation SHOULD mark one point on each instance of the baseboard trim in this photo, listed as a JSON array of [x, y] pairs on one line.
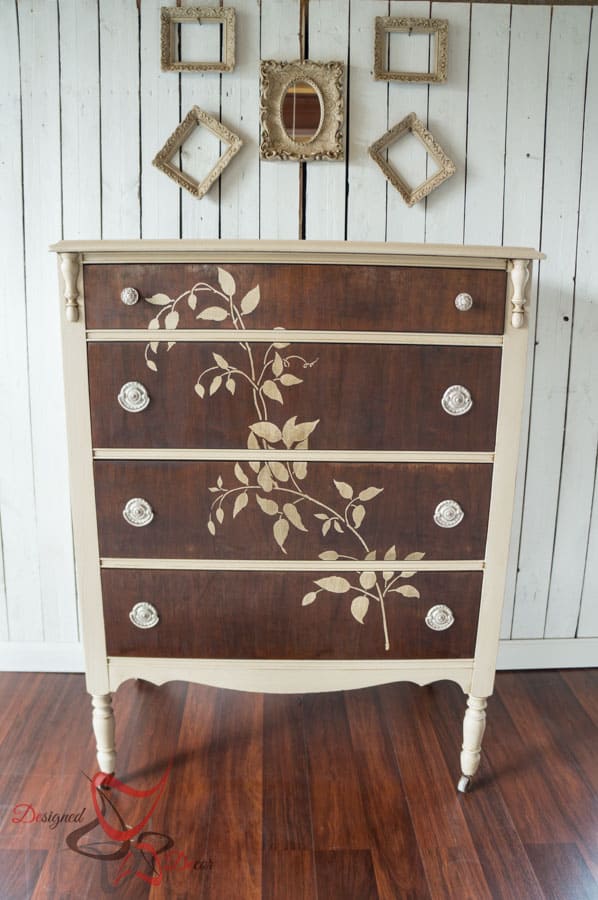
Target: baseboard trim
[[549, 653], [558, 653]]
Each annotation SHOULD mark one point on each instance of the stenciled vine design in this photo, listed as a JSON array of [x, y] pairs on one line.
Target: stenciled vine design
[[279, 486]]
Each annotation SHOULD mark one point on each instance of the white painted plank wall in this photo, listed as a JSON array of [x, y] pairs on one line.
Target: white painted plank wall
[[84, 109]]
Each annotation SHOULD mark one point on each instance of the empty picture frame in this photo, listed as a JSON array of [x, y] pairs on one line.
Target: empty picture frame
[[387, 25], [324, 82], [171, 16], [194, 119], [411, 124]]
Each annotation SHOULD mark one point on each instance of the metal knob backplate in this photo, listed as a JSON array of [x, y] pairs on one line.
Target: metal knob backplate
[[439, 617], [129, 296], [133, 397], [448, 514], [463, 302], [456, 400], [138, 512], [144, 615]]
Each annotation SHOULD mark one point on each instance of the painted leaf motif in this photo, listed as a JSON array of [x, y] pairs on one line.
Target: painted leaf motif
[[200, 390], [220, 515], [250, 300], [277, 365], [220, 361], [211, 527], [219, 481], [240, 503], [391, 553], [407, 590], [293, 432], [371, 555], [367, 580], [344, 489], [253, 444], [288, 380], [300, 470], [240, 474], [280, 472], [271, 391], [292, 514], [338, 527], [309, 598], [226, 282], [192, 300], [230, 386], [158, 300], [216, 382], [281, 530], [320, 516], [267, 430], [370, 493], [335, 584], [415, 555], [154, 324], [387, 576], [154, 346], [359, 607], [213, 314], [171, 320], [270, 507], [358, 514], [264, 479], [169, 345], [279, 346], [329, 554], [151, 365], [326, 527]]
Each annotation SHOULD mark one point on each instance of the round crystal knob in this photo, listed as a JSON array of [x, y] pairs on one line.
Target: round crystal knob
[[448, 514], [144, 615], [463, 302], [133, 396], [456, 400], [439, 618], [129, 296], [138, 512]]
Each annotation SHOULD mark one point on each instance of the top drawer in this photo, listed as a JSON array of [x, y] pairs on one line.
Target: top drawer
[[316, 297]]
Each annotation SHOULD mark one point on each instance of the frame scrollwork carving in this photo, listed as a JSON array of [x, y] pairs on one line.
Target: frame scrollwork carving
[[327, 81], [171, 16], [386, 25]]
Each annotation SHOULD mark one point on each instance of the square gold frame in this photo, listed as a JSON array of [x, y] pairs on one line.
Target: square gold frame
[[414, 125], [194, 118], [170, 16], [327, 81], [386, 25]]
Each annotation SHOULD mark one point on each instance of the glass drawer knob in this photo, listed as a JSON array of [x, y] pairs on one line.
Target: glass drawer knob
[[463, 302], [133, 397], [138, 512], [439, 618], [448, 514], [144, 615], [456, 400], [129, 296]]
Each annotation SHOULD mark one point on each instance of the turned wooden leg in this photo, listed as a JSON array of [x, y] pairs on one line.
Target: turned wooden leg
[[474, 725], [103, 728]]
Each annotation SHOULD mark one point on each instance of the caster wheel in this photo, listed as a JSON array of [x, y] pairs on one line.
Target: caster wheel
[[463, 784]]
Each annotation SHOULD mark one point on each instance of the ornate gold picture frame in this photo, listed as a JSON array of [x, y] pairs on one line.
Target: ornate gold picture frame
[[171, 16], [411, 124], [326, 81], [387, 25], [194, 119]]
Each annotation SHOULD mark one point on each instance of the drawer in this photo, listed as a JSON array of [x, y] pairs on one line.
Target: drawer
[[259, 615], [321, 297], [296, 517], [362, 397]]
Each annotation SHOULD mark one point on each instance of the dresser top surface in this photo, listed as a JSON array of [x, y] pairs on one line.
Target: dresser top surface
[[309, 251]]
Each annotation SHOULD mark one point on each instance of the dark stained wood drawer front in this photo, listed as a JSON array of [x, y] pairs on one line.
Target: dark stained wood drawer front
[[259, 615], [360, 397], [321, 297], [223, 510]]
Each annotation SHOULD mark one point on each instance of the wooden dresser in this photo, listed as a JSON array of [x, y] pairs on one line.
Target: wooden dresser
[[293, 464]]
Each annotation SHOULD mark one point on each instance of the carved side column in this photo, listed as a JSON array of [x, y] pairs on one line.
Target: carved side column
[[519, 272], [474, 726], [69, 266], [103, 728]]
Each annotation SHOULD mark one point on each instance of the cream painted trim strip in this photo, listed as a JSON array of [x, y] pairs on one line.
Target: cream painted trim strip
[[296, 565], [288, 676], [212, 335], [386, 456], [298, 257]]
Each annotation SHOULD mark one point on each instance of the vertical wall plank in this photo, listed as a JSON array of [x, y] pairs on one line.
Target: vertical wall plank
[[447, 117], [20, 587], [240, 184], [159, 98], [51, 529], [564, 129], [80, 118], [119, 72], [524, 169], [581, 435], [326, 182], [408, 156], [488, 64], [279, 181], [368, 120]]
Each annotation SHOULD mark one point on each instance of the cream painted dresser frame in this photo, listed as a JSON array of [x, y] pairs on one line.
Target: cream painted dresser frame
[[475, 676]]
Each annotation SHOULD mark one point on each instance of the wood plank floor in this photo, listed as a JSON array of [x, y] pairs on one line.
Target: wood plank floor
[[343, 796]]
